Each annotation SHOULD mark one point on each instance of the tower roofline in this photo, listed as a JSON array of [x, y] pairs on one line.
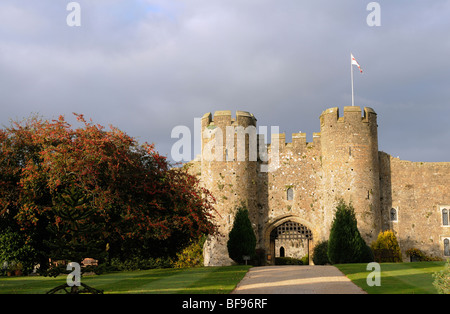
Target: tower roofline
[[351, 113], [241, 118]]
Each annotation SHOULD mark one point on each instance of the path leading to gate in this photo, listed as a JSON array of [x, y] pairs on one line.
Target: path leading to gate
[[296, 280]]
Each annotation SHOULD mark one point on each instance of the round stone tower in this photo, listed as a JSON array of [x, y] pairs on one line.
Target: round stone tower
[[350, 166], [229, 172]]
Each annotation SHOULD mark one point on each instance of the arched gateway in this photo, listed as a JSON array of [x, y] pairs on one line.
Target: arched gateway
[[289, 233]]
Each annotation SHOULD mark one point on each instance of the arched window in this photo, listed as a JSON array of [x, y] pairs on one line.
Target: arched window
[[446, 247], [282, 252], [445, 217], [290, 194], [393, 214]]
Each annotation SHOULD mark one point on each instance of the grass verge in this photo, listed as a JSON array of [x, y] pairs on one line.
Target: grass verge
[[396, 278], [210, 280]]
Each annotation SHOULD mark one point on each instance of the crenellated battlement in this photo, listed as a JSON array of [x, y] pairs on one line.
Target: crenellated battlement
[[224, 118], [298, 143], [225, 138], [352, 115], [330, 122]]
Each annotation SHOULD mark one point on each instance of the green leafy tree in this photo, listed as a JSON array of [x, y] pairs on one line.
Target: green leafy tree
[[345, 244], [242, 239], [15, 249]]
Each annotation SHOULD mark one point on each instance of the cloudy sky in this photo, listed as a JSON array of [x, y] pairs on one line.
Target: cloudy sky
[[147, 66]]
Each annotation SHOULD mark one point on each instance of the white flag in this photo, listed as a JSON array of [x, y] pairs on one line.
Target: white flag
[[354, 62]]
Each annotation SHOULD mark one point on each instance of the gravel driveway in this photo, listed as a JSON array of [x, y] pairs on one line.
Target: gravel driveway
[[296, 280]]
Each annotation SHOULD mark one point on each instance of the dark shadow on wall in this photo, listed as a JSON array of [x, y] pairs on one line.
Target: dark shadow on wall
[[385, 189]]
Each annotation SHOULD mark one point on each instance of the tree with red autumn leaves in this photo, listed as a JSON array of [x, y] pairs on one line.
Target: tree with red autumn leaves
[[124, 198]]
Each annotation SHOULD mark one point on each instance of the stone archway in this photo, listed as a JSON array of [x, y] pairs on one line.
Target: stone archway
[[290, 228]]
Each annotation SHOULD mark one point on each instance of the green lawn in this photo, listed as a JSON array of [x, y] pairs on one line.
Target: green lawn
[[403, 278], [396, 278], [188, 280]]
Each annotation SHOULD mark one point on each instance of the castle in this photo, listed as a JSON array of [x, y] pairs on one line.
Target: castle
[[292, 191]]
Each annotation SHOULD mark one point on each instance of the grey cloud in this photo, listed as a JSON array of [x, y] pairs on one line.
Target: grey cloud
[[147, 66]]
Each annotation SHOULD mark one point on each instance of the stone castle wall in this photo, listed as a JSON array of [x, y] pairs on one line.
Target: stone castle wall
[[343, 161], [417, 191]]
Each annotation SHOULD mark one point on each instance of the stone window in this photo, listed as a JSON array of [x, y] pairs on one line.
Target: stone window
[[290, 194], [393, 214], [445, 217], [446, 247]]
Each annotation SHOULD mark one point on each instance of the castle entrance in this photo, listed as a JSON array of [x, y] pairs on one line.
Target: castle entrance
[[290, 239]]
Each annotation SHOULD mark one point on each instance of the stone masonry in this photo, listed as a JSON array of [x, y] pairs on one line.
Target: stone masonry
[[304, 182]]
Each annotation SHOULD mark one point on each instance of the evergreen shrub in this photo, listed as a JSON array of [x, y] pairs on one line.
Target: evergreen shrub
[[386, 249], [242, 239], [320, 254], [192, 255], [345, 244]]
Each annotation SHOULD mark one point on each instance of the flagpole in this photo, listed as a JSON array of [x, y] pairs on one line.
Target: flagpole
[[351, 71]]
